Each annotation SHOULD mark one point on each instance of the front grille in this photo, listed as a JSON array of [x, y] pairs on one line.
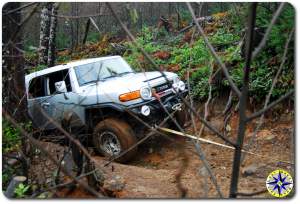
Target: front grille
[[162, 87]]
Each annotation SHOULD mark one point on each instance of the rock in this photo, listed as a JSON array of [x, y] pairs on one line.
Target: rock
[[266, 135], [270, 137], [150, 150], [250, 170], [12, 162], [117, 183], [48, 180]]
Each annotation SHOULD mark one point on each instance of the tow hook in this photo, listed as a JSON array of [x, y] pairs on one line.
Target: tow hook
[[177, 107]]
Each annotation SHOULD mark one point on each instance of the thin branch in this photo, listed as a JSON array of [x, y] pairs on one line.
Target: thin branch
[[78, 17], [21, 25], [151, 133], [268, 31], [271, 105], [213, 52], [124, 27], [20, 8], [209, 126], [271, 89], [94, 24], [197, 144], [206, 110]]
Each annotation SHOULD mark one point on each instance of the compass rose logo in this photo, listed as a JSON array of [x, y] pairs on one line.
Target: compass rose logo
[[279, 183]]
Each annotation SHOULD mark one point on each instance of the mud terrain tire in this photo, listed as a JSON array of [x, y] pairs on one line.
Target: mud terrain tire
[[122, 135]]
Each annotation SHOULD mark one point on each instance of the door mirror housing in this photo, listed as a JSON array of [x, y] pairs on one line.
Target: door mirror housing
[[60, 87]]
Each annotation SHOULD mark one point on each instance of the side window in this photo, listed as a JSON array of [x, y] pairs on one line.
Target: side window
[[37, 87], [56, 77]]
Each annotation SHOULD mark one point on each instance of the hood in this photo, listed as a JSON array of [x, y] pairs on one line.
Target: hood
[[110, 89]]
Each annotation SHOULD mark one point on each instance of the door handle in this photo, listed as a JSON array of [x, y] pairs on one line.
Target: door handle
[[45, 105]]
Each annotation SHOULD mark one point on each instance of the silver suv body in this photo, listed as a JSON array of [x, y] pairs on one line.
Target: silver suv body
[[88, 92]]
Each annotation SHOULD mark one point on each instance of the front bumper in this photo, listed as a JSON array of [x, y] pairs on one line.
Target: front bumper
[[156, 109]]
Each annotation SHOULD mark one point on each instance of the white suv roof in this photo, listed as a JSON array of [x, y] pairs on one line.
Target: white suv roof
[[66, 66]]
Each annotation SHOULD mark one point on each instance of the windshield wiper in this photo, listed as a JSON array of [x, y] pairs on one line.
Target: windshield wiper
[[124, 73], [117, 75], [112, 76], [89, 82]]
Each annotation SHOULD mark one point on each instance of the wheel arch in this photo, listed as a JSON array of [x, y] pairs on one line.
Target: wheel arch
[[94, 114]]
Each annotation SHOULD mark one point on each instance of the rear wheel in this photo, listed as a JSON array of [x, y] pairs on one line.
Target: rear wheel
[[112, 137]]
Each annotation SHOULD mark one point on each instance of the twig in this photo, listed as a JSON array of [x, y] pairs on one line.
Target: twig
[[206, 111]]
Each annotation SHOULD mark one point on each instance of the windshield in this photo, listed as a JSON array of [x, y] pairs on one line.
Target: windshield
[[101, 70]]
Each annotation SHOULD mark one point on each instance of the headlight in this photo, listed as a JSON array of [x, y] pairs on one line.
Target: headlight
[[146, 93], [176, 80], [181, 85], [178, 85]]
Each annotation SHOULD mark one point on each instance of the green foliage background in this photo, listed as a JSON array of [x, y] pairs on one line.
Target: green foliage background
[[226, 38]]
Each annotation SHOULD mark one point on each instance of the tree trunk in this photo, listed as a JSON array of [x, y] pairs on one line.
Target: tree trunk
[[52, 35], [13, 80], [87, 27], [44, 33], [14, 100]]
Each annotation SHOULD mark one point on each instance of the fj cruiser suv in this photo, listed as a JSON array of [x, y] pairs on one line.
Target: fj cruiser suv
[[101, 96]]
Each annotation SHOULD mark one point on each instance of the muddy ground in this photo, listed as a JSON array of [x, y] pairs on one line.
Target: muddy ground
[[158, 169]]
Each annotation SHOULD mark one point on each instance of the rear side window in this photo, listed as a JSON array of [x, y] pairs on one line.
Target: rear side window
[[56, 77], [37, 87], [45, 85]]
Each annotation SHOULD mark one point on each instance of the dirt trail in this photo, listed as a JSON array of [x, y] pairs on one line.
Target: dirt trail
[[152, 174]]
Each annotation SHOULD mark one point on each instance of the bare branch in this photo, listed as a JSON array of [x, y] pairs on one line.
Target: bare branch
[[271, 105], [213, 52], [268, 31]]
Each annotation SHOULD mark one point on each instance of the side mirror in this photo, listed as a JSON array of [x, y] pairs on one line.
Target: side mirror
[[60, 87]]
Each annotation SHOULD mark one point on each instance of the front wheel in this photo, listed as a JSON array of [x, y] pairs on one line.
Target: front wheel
[[180, 116], [112, 137]]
